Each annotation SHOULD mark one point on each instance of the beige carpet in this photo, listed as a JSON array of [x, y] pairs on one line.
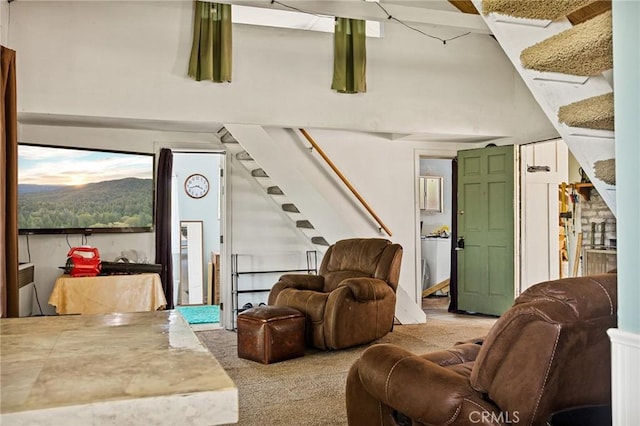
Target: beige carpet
[[309, 391], [539, 9], [586, 49], [605, 170], [591, 113]]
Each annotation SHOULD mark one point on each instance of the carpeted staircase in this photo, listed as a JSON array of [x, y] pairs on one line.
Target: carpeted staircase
[[568, 69]]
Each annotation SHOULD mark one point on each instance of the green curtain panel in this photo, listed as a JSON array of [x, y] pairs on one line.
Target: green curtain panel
[[211, 50], [350, 56]]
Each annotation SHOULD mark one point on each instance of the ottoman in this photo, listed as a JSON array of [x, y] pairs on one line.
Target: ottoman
[[270, 334]]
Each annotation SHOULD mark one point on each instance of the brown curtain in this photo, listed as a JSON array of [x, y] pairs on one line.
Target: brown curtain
[[350, 56], [9, 305], [163, 223], [211, 49]]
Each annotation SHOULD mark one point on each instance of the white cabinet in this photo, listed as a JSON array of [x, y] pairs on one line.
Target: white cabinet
[[437, 254]]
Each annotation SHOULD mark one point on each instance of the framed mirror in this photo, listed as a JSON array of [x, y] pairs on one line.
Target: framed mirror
[[431, 197], [191, 263]]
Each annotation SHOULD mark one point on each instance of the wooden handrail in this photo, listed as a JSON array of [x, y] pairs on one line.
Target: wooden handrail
[[345, 180]]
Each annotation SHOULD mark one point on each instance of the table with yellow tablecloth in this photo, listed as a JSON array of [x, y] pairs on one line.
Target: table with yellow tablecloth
[[107, 294]]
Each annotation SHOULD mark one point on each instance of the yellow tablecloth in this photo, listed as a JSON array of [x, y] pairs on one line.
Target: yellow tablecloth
[[107, 294]]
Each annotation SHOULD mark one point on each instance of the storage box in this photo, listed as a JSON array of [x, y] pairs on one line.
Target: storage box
[[269, 334]]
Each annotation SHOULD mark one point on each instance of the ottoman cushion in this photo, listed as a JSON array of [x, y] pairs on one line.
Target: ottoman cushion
[[270, 334]]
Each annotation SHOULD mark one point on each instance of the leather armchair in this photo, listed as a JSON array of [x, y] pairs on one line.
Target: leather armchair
[[548, 352], [352, 300]]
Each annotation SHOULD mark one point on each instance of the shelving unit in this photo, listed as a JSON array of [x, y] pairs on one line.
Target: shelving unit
[[584, 189], [312, 268]]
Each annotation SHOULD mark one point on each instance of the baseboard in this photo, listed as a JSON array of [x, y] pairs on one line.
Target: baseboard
[[206, 326], [625, 376]]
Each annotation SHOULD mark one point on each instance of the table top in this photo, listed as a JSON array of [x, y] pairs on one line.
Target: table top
[[107, 294], [128, 368]]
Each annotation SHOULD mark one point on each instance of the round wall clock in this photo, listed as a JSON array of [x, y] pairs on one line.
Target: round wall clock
[[196, 185]]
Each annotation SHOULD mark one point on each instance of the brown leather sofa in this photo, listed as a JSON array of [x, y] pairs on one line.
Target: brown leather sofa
[[548, 352], [352, 300]]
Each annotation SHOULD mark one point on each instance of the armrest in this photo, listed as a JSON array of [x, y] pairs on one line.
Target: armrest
[[476, 341], [459, 354], [297, 281], [302, 281], [365, 289], [413, 385]]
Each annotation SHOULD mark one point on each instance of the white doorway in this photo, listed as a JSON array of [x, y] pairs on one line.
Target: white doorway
[[434, 224], [198, 200]]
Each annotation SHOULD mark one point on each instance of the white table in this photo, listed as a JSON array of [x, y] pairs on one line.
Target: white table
[[107, 294]]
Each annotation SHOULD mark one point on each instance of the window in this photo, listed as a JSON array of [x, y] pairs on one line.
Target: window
[[291, 19]]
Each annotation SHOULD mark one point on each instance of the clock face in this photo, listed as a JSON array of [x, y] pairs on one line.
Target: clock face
[[196, 186]]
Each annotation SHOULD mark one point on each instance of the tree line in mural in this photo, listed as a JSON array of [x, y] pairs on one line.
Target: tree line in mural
[[118, 203]]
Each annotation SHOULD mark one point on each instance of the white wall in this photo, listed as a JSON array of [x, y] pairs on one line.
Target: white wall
[[129, 59], [262, 236], [4, 22], [378, 168], [259, 232], [49, 252], [438, 167], [383, 172]]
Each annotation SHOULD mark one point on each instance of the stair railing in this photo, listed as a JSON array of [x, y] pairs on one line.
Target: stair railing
[[345, 181]]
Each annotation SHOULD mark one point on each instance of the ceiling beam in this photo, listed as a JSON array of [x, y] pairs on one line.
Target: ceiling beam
[[465, 6], [369, 10]]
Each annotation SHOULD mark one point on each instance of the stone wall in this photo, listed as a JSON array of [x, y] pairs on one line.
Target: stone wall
[[595, 210]]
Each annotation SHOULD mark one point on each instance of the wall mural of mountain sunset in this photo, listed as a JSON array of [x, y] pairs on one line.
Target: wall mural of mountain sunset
[[62, 190], [123, 203]]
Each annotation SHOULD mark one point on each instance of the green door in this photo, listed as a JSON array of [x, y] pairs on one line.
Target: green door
[[486, 225]]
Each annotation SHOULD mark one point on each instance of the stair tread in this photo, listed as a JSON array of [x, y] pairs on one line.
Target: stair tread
[[304, 224], [320, 241], [522, 21], [259, 173], [596, 112], [244, 156], [274, 190], [605, 170], [586, 49], [553, 91], [540, 9], [558, 77], [291, 208], [225, 136]]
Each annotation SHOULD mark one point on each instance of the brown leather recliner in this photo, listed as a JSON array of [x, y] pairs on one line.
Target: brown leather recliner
[[548, 352], [352, 300]]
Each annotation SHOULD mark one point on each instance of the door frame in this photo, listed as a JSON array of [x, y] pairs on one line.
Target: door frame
[[440, 152], [225, 225], [450, 152]]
